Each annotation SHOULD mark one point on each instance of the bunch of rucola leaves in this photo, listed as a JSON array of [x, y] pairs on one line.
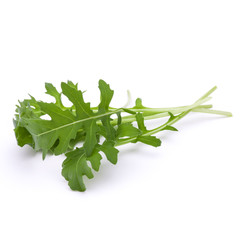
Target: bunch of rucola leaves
[[100, 129]]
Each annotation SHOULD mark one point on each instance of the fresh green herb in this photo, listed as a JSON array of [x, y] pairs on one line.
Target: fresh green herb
[[100, 130]]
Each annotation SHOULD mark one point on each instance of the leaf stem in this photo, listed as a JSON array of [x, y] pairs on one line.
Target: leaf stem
[[201, 109], [211, 111], [196, 107]]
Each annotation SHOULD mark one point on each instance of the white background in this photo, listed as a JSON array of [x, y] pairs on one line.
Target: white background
[[168, 53]]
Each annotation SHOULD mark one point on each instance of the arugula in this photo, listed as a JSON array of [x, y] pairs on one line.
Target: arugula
[[94, 128]]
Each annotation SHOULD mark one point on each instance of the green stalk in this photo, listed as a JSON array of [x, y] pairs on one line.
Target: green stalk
[[201, 109], [196, 107], [211, 111]]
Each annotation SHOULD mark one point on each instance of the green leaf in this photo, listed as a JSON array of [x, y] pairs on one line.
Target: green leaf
[[95, 159], [28, 108], [127, 130], [52, 91], [83, 109], [106, 96], [140, 122], [108, 130], [150, 140], [62, 127], [64, 124], [75, 167], [110, 151], [80, 137], [23, 136], [71, 84], [138, 104], [91, 138]]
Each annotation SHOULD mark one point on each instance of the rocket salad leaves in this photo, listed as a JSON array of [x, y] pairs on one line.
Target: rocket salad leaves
[[100, 129]]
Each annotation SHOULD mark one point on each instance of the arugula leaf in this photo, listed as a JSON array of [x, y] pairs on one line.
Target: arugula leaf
[[83, 111], [65, 124], [110, 151], [75, 167], [103, 107], [150, 140], [138, 104], [127, 129], [23, 136], [52, 91], [140, 122], [62, 127], [68, 126]]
